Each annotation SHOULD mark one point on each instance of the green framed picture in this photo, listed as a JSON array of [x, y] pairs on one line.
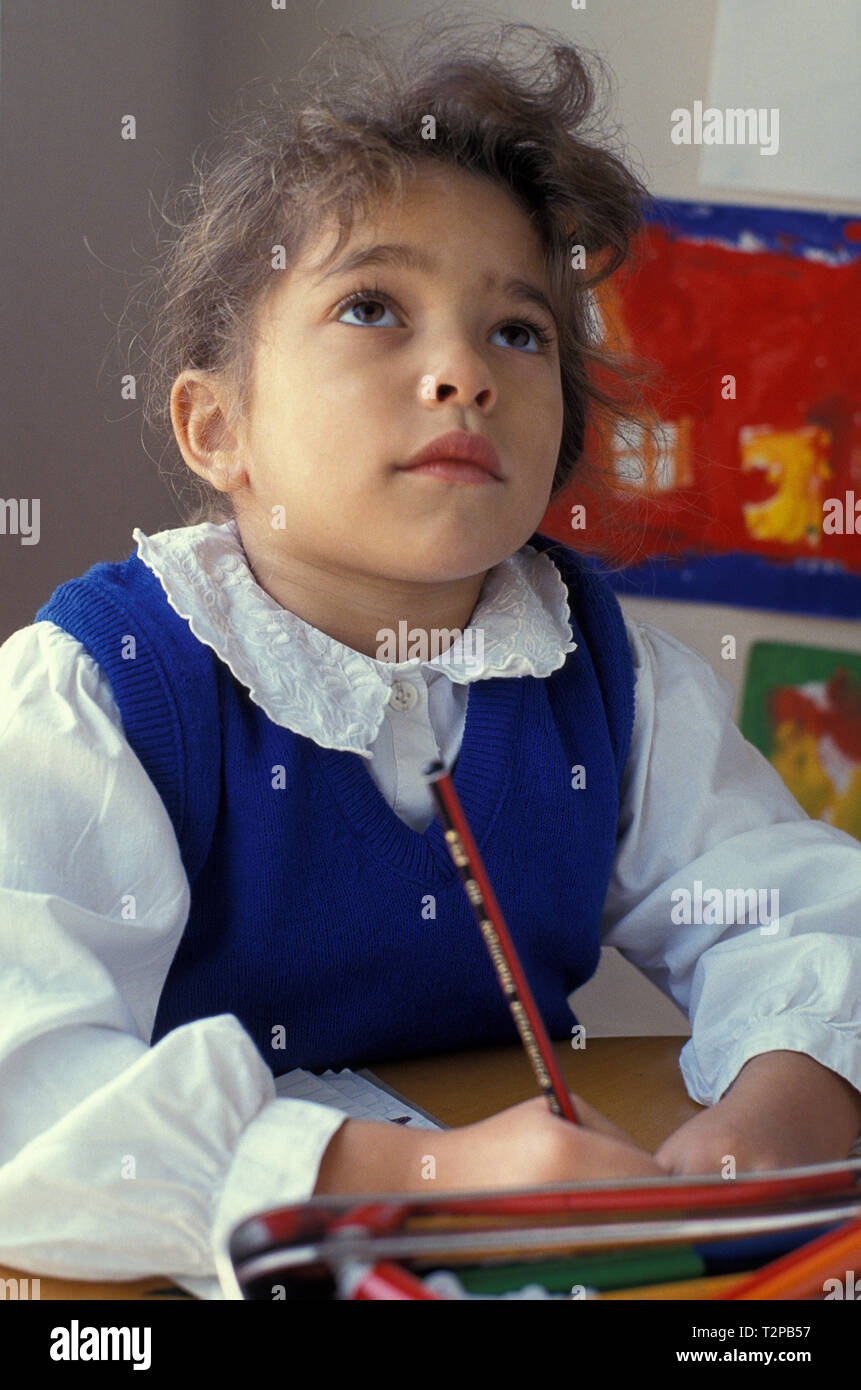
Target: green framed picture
[[802, 709]]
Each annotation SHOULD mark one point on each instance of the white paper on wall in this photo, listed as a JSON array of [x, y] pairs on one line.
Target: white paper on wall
[[802, 60]]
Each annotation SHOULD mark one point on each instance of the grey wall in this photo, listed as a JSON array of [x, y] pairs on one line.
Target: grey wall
[[69, 73]]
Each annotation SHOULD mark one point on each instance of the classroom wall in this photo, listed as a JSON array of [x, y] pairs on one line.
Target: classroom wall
[[73, 222], [75, 217]]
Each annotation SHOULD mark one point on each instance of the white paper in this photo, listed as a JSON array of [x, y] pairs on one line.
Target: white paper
[[801, 59], [359, 1097]]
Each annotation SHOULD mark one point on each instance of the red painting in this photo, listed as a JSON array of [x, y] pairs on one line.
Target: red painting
[[753, 317]]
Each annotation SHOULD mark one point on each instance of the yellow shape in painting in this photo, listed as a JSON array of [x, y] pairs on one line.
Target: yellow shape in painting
[[796, 757], [796, 461], [846, 814]]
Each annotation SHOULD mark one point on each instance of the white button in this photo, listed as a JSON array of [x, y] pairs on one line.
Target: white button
[[403, 695]]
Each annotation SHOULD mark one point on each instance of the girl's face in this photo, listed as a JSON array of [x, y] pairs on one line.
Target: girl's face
[[443, 335]]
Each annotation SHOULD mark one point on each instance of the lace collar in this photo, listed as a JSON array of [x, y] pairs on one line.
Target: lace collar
[[307, 681]]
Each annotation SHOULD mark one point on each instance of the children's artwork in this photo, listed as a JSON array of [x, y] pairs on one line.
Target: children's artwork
[[802, 709], [749, 489]]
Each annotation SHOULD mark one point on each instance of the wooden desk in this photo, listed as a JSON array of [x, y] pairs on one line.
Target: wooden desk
[[635, 1082]]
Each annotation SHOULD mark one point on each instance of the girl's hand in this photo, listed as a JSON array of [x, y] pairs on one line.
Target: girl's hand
[[716, 1143], [784, 1110], [528, 1144]]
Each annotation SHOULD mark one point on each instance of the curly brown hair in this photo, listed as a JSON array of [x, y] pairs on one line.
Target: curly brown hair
[[510, 101]]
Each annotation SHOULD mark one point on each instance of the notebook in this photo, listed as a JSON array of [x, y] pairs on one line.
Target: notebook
[[360, 1094]]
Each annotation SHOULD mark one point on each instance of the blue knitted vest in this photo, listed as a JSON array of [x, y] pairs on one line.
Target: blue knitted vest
[[335, 933]]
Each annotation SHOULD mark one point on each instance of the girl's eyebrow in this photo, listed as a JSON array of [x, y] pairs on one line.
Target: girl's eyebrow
[[411, 257]]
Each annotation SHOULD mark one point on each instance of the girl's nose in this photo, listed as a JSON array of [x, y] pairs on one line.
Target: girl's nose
[[472, 387]]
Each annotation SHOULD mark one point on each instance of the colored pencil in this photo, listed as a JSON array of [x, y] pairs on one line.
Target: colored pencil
[[803, 1273], [656, 1194], [648, 1264], [384, 1281], [513, 982], [680, 1291]]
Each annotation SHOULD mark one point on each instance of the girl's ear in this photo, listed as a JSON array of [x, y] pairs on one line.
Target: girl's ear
[[227, 474], [205, 440]]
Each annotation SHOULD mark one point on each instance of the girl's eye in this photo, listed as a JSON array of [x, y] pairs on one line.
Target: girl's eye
[[374, 299], [527, 326], [363, 299]]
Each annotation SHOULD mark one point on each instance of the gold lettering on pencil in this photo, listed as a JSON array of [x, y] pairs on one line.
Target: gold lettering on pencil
[[529, 1043], [458, 855], [473, 891], [489, 934]]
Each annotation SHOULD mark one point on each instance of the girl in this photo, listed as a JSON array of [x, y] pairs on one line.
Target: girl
[[220, 860]]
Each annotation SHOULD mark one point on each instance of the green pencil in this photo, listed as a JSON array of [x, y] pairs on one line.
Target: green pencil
[[625, 1269]]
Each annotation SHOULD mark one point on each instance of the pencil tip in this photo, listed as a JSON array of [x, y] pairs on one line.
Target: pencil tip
[[431, 769]]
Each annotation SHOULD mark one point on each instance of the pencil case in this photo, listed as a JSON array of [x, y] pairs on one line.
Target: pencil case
[[301, 1251]]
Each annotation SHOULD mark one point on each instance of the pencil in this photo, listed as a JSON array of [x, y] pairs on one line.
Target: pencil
[[681, 1291], [628, 1268], [512, 980], [384, 1281], [802, 1274]]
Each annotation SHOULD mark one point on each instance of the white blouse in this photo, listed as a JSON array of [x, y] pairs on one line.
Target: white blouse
[[119, 1159]]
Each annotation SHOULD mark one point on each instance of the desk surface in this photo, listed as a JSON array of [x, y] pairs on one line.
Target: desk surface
[[635, 1082]]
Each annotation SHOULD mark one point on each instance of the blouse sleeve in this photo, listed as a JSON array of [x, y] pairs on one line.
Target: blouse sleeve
[[117, 1159], [724, 893]]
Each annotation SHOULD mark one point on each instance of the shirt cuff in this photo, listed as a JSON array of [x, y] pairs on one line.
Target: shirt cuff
[[275, 1164], [707, 1077]]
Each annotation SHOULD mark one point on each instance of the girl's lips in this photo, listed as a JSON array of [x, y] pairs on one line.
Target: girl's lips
[[453, 471], [458, 446]]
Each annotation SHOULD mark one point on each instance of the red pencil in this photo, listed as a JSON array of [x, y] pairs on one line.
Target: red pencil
[[385, 1281], [530, 1026]]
